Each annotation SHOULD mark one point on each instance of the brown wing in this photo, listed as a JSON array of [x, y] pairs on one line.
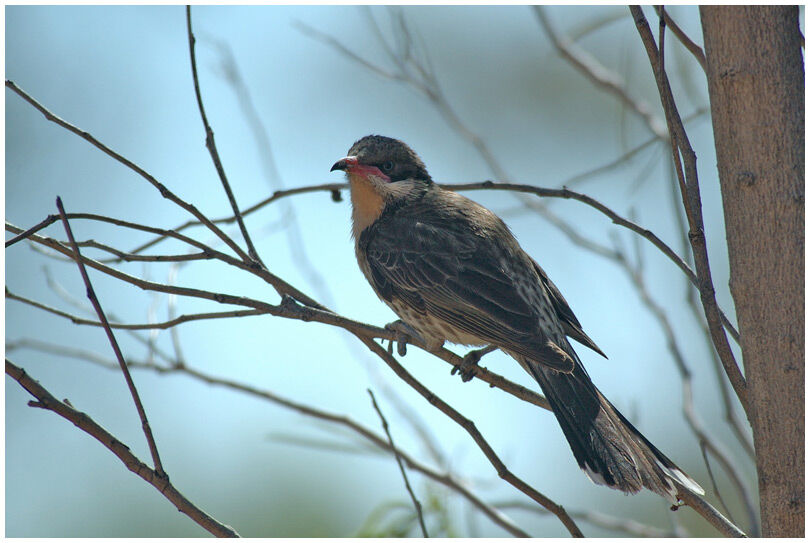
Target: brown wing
[[454, 275], [569, 320]]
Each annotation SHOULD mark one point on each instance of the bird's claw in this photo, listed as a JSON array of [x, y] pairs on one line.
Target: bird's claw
[[403, 335], [468, 366], [469, 363]]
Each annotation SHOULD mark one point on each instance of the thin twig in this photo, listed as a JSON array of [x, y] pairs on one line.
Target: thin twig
[[334, 188], [47, 221], [260, 271], [128, 257], [600, 75], [91, 294], [741, 433], [690, 192], [46, 400], [212, 146], [578, 178], [292, 228], [164, 325], [165, 192], [691, 46], [420, 428], [417, 505]]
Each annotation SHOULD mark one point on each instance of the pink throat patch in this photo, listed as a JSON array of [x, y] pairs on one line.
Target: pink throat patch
[[365, 171]]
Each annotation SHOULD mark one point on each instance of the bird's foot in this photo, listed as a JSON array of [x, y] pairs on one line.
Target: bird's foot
[[404, 335], [469, 363]]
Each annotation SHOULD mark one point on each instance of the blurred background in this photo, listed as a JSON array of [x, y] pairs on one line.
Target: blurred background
[[285, 97]]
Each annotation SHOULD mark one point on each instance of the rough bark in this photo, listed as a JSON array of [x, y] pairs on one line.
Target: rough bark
[[756, 88]]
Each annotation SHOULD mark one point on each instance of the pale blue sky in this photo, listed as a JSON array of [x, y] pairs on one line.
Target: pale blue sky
[[123, 74]]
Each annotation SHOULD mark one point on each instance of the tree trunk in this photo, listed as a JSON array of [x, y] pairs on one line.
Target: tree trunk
[[756, 88]]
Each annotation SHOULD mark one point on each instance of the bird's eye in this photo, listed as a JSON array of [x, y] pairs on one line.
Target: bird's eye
[[387, 166]]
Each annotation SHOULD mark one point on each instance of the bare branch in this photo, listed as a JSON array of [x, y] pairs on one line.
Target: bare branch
[[165, 192], [708, 512], [691, 46], [145, 326], [91, 294], [260, 271], [740, 432], [334, 188], [292, 229], [416, 504], [46, 400], [690, 192], [578, 178], [335, 43], [47, 221], [128, 257], [212, 146], [600, 75]]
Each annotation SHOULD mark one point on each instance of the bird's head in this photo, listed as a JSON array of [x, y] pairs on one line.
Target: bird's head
[[381, 171]]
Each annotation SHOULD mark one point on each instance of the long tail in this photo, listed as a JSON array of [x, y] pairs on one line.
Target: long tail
[[607, 447]]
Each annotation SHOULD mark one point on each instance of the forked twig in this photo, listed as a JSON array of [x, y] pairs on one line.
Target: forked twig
[[691, 46]]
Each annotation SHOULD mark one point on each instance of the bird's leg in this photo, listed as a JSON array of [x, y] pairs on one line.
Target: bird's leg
[[404, 333], [470, 362]]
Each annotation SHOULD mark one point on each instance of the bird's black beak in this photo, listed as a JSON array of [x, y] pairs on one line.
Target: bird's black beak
[[344, 163]]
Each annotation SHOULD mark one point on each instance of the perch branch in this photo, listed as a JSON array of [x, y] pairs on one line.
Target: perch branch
[[290, 309]]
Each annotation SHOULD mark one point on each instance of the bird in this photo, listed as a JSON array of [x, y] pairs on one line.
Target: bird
[[452, 271]]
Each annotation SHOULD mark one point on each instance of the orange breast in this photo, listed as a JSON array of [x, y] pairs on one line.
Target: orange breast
[[367, 204]]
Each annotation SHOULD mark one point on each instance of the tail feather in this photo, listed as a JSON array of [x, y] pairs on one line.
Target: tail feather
[[605, 444]]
